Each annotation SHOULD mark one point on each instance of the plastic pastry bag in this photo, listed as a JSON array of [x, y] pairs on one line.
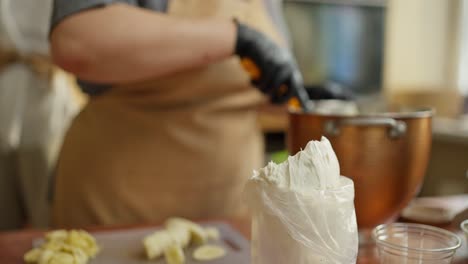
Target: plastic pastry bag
[[303, 210]]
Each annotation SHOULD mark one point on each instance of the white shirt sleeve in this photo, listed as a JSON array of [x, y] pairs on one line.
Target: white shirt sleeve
[[24, 25]]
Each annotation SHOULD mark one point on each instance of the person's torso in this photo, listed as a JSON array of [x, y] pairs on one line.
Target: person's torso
[[189, 139]]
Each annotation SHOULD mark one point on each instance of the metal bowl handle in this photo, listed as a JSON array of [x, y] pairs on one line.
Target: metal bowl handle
[[396, 128]]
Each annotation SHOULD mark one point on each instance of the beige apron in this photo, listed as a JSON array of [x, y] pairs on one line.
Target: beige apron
[[182, 145]]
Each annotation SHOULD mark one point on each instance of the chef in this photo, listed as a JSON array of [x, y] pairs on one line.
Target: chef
[[171, 127], [36, 106]]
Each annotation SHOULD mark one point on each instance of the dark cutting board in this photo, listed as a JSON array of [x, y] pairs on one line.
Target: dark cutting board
[[126, 247]]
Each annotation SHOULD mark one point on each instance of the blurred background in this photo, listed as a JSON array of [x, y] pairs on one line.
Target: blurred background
[[412, 53], [376, 52]]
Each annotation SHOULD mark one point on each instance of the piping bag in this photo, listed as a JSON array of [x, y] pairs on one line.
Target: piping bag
[[296, 84], [303, 210]]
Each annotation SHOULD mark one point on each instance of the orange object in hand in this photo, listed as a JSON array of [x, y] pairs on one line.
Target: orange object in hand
[[251, 68], [255, 73], [294, 103]]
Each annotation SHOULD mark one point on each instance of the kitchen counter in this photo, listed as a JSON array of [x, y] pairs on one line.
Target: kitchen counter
[[451, 130], [14, 244]]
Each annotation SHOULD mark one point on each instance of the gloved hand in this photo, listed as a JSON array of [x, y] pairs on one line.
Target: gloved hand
[[271, 67]]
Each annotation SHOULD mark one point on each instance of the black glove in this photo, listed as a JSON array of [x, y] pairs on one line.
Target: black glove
[[277, 74]]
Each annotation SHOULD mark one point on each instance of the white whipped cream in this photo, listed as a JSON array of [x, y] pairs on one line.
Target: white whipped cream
[[303, 210], [314, 168]]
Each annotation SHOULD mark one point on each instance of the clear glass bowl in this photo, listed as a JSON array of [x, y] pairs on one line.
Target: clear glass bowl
[[415, 243], [464, 227]]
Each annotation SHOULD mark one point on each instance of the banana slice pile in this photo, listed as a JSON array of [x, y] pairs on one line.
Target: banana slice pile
[[177, 235], [64, 247]]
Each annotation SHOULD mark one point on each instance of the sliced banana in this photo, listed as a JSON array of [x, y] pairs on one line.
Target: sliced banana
[[82, 239], [57, 235], [45, 256], [212, 233], [53, 245], [174, 254], [180, 232], [197, 233], [156, 243], [33, 255], [208, 252], [62, 258], [79, 255], [64, 247]]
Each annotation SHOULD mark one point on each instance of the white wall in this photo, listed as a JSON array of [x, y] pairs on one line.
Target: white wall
[[418, 45], [462, 74]]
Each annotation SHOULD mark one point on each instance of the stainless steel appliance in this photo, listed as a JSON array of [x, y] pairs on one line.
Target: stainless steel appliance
[[338, 42]]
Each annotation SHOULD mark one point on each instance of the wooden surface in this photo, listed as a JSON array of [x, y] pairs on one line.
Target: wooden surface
[[14, 244]]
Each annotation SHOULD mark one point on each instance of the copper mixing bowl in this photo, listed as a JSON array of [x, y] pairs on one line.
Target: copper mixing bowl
[[386, 155]]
